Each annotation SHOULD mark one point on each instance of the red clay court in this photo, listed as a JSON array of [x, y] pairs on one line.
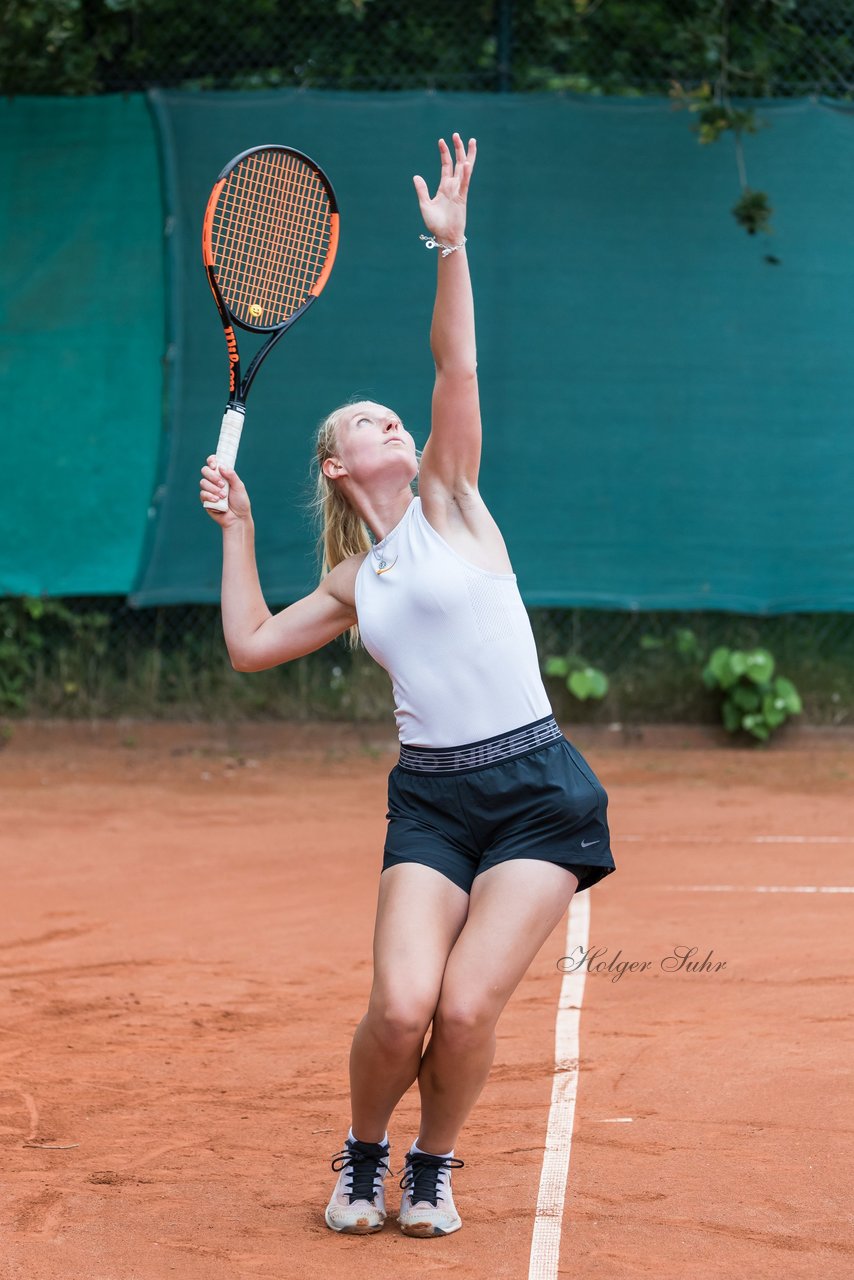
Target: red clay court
[[186, 952]]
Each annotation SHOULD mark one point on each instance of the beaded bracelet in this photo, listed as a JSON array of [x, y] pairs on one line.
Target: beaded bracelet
[[430, 242]]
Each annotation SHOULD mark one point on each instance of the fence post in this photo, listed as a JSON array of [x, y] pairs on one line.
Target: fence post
[[504, 46]]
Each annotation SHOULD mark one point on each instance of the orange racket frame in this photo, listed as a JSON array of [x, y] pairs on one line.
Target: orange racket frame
[[265, 263]]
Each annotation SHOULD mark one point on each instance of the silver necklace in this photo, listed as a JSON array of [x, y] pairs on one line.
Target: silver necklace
[[382, 556], [383, 562], [380, 550]]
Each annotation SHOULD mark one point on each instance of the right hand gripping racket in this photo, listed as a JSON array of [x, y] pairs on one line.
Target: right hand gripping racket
[[268, 243]]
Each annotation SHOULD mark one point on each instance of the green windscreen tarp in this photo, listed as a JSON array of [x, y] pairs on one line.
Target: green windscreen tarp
[[667, 414], [81, 283]]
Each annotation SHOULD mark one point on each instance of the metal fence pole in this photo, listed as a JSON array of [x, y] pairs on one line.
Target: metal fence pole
[[504, 48]]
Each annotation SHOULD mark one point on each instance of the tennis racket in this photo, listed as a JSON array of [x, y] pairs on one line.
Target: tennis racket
[[268, 243]]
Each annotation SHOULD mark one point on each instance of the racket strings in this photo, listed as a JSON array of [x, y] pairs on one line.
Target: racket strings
[[289, 241], [271, 254], [270, 237], [274, 252]]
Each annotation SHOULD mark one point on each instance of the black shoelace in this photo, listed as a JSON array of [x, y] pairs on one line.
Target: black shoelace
[[364, 1160], [422, 1175]]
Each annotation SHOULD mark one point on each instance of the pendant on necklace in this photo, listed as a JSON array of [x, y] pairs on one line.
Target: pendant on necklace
[[384, 565]]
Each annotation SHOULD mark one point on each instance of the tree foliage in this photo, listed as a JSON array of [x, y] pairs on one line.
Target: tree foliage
[[771, 47]]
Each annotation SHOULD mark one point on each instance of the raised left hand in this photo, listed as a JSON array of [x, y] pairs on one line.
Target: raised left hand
[[445, 215]]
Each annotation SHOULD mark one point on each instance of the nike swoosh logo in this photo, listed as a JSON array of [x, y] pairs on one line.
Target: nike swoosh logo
[[585, 844]]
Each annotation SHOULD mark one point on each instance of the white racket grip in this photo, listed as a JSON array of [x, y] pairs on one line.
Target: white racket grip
[[226, 450]]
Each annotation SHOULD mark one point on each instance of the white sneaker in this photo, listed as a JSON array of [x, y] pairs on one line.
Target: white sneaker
[[427, 1207], [358, 1201]]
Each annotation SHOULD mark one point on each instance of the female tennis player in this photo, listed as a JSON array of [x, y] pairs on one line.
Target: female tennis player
[[494, 818]]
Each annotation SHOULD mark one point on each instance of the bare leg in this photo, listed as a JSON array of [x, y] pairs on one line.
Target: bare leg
[[420, 913], [514, 907]]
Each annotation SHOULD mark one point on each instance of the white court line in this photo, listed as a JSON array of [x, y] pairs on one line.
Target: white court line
[[656, 839], [548, 1220], [762, 888], [545, 1243]]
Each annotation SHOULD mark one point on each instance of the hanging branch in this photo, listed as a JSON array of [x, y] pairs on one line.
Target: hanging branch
[[716, 115]]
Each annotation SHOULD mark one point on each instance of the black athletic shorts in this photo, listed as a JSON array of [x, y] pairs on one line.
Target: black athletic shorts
[[525, 794]]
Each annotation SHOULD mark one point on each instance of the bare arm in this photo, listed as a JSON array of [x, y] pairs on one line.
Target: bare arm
[[451, 458], [256, 638]]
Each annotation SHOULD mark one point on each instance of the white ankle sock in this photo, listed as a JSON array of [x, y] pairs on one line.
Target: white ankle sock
[[352, 1137], [415, 1148]]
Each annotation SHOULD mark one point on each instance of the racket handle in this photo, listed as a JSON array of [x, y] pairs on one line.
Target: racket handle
[[226, 450]]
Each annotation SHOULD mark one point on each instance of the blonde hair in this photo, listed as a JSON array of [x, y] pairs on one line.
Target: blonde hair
[[343, 532]]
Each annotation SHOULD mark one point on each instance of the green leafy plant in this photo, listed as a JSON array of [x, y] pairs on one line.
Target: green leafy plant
[[33, 630], [752, 211], [682, 641], [754, 698], [714, 117], [582, 680]]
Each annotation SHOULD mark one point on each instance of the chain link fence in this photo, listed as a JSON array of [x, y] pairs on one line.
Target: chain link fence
[[101, 658], [757, 48]]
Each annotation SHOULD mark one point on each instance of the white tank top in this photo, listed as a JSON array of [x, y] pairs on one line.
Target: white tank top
[[455, 639]]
